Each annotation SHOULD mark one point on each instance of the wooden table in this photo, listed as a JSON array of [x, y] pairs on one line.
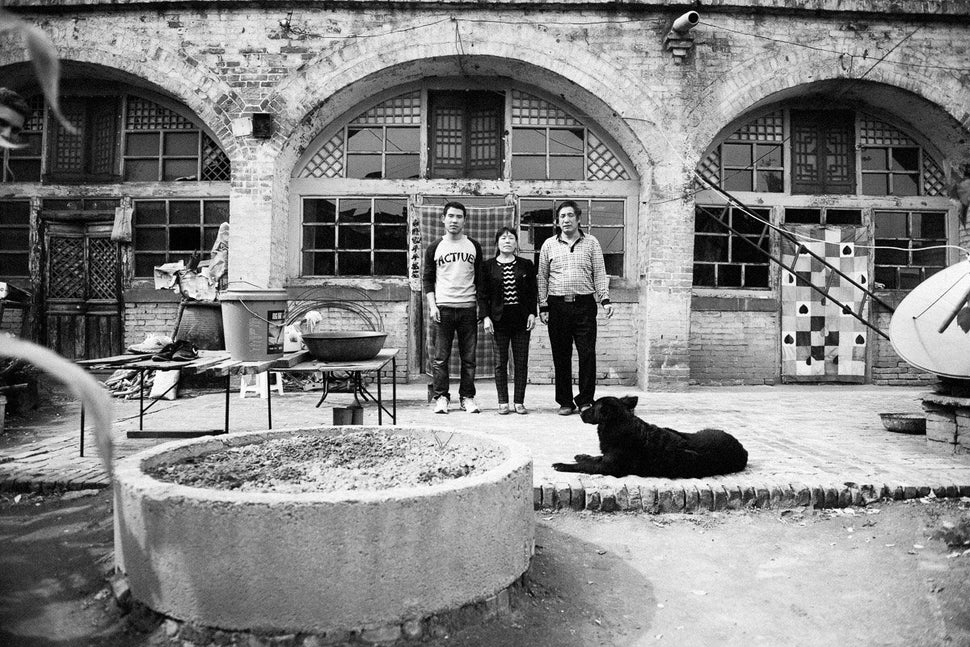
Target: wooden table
[[304, 363], [210, 363]]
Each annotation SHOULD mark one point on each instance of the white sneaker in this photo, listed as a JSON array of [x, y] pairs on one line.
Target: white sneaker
[[468, 404], [441, 404]]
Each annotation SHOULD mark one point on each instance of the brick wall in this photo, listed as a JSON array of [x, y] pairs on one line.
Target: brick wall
[[734, 347], [887, 367]]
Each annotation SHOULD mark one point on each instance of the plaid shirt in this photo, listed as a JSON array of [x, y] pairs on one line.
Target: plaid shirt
[[566, 269]]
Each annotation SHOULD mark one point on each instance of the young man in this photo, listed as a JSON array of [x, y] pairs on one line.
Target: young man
[[13, 113], [572, 279], [452, 270]]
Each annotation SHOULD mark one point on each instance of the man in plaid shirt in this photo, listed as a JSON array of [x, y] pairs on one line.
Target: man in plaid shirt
[[572, 280]]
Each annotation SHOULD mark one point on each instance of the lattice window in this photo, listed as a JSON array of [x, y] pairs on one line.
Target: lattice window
[[602, 163], [328, 161], [65, 277], [934, 181], [873, 132], [528, 110], [215, 164], [403, 110], [102, 267], [770, 128], [143, 114]]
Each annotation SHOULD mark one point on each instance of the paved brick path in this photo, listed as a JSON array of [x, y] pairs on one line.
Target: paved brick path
[[820, 446]]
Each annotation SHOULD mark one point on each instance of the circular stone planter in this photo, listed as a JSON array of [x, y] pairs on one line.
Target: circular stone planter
[[321, 562]]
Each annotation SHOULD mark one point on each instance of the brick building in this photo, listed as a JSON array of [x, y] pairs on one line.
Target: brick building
[[323, 132]]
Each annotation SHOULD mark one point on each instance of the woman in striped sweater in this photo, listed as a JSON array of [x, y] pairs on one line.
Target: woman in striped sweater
[[507, 304]]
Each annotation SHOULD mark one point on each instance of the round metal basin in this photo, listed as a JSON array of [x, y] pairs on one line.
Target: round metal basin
[[344, 346], [322, 561]]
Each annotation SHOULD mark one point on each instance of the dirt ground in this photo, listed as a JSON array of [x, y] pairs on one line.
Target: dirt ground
[[863, 576]]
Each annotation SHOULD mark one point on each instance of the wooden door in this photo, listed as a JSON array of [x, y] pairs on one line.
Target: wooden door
[[82, 303]]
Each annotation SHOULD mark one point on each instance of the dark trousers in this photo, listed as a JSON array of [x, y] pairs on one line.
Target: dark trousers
[[573, 323], [518, 337], [464, 323]]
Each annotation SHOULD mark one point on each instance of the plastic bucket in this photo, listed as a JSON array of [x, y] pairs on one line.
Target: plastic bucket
[[253, 322]]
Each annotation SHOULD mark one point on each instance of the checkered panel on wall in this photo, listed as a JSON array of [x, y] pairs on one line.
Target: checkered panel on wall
[[820, 342]]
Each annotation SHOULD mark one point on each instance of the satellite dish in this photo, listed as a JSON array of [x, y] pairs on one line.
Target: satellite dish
[[931, 327]]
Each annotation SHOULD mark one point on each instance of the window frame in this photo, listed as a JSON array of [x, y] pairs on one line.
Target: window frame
[[733, 243], [25, 229], [166, 253]]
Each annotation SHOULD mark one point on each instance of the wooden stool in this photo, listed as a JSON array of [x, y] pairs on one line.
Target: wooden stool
[[259, 387]]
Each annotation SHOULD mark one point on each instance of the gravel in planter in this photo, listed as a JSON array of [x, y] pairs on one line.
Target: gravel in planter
[[365, 460]]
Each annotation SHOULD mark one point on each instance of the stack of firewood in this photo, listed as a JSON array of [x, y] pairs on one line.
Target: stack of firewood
[[126, 383]]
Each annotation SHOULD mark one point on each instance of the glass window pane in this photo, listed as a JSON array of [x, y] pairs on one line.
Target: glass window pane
[[909, 277], [737, 180], [182, 144], [536, 211], [404, 167], [747, 224], [390, 264], [905, 184], [606, 212], [183, 211], [403, 140], [318, 237], [771, 181], [843, 217], [710, 248], [141, 170], [611, 239], [354, 210], [150, 239], [736, 154], [906, 159], [934, 257], [149, 213], [14, 239], [14, 213], [363, 166], [768, 156], [529, 140], [929, 225], [319, 210], [32, 146], [357, 263], [141, 145], [354, 237], [145, 263], [184, 239], [528, 167], [875, 159], [318, 264], [365, 140], [614, 264], [390, 237], [875, 184], [896, 256], [886, 276], [215, 212], [729, 276], [703, 275], [180, 170], [209, 236], [744, 252], [14, 264], [566, 142], [23, 170], [890, 224], [755, 276], [707, 219], [392, 210], [567, 168]]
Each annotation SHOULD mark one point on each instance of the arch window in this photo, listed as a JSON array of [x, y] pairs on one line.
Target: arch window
[[503, 144], [120, 137], [834, 168]]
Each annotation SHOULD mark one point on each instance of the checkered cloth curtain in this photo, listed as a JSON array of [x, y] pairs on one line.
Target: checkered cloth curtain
[[820, 343], [481, 223]]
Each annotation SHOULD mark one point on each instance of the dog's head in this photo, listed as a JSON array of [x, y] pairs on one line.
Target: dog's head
[[609, 408]]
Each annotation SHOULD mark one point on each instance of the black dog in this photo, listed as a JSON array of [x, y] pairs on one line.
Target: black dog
[[632, 446]]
